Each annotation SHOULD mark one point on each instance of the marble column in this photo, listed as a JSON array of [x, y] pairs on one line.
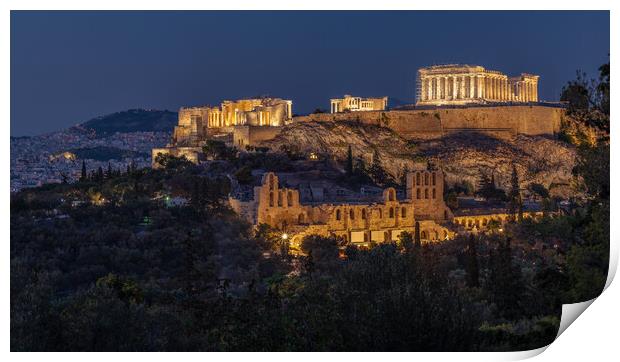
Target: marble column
[[471, 87]]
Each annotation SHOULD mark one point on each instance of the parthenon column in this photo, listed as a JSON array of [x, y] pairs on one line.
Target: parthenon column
[[471, 87], [453, 87], [428, 88]]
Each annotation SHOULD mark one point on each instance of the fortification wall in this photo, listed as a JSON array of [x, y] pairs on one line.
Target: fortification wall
[[499, 121], [253, 135]]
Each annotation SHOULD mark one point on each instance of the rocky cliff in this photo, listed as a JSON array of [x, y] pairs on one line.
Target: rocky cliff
[[463, 156]]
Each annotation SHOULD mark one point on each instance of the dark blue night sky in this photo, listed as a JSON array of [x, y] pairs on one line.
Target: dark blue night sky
[[67, 67]]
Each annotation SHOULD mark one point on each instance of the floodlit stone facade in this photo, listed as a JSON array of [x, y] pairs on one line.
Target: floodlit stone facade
[[247, 121], [354, 104], [195, 122], [365, 223], [464, 84], [360, 223]]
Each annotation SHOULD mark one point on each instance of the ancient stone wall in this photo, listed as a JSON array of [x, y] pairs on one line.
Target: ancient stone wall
[[500, 121], [253, 135]]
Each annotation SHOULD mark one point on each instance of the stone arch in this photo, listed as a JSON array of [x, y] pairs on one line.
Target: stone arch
[[403, 212], [280, 197], [391, 212], [433, 180], [423, 235], [434, 194], [363, 214], [392, 194], [426, 179], [445, 234], [435, 235], [417, 194], [417, 179], [301, 219], [289, 198], [337, 214], [426, 193], [271, 181], [351, 214], [271, 199]]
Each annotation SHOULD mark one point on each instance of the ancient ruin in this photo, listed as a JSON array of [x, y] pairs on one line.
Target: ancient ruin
[[466, 84], [363, 220], [355, 104]]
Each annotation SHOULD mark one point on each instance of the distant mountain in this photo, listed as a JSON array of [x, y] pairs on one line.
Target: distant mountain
[[133, 120]]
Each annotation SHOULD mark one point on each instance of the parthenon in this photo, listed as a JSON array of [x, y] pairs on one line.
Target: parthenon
[[463, 84]]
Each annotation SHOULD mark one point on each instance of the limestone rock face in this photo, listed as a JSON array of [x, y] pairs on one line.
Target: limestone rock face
[[463, 156]]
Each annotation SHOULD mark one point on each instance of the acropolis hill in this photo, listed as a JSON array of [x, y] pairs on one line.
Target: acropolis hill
[[467, 120]]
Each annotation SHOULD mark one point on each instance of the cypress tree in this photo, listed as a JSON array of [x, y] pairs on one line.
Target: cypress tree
[[349, 165], [417, 239], [99, 174], [472, 268], [84, 176], [516, 203]]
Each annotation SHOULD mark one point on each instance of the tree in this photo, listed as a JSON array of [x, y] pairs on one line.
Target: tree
[[515, 203], [505, 281], [417, 238], [377, 173], [349, 165], [406, 240], [108, 173], [99, 174], [471, 266], [84, 175]]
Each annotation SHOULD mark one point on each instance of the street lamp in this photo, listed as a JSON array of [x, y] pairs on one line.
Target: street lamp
[[284, 236]]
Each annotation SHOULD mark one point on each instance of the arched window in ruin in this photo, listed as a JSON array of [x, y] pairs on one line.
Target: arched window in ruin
[[392, 195], [380, 213], [279, 198], [484, 222], [301, 219], [289, 198], [403, 212], [469, 223], [445, 234], [423, 235], [426, 193], [417, 179], [425, 179], [445, 214], [391, 212], [433, 179], [435, 235], [351, 214], [338, 214], [363, 214], [417, 194], [434, 194], [271, 199], [271, 182]]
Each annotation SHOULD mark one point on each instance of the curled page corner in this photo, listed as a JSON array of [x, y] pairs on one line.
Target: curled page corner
[[570, 312]]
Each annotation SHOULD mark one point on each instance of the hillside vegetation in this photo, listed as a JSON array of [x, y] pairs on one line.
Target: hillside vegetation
[[464, 157]]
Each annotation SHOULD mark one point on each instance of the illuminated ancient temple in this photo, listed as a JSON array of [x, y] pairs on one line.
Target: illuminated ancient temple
[[464, 84], [353, 104]]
